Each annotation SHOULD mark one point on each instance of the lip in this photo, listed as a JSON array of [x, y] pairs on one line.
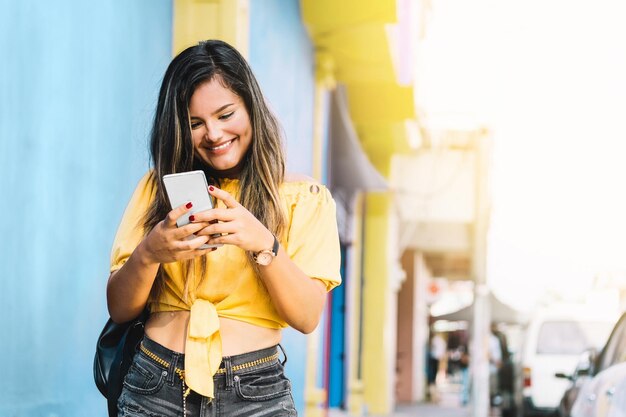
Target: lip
[[226, 146]]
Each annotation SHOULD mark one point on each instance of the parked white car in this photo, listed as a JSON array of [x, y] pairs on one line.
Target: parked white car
[[617, 407], [604, 395], [554, 340]]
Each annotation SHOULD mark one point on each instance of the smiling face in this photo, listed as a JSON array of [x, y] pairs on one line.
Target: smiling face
[[220, 127]]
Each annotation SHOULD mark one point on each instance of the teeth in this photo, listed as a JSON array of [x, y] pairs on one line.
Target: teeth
[[221, 146]]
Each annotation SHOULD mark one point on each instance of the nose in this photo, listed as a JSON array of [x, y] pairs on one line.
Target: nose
[[213, 132]]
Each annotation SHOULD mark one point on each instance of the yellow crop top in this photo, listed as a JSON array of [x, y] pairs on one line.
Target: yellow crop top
[[230, 288]]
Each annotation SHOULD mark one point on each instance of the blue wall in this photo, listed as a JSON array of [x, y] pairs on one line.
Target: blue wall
[[78, 83], [281, 56]]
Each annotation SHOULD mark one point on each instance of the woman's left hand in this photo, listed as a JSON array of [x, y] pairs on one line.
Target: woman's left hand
[[235, 223]]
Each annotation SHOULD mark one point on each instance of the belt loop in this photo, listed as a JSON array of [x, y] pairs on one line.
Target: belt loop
[[228, 367], [284, 354], [171, 371]]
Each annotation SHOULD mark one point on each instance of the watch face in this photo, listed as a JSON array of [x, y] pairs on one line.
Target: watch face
[[264, 258]]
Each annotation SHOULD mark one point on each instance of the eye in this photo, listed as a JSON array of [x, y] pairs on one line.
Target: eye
[[195, 124], [226, 116]]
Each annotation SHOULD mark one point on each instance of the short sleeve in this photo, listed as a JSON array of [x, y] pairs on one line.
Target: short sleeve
[[130, 231], [313, 239]]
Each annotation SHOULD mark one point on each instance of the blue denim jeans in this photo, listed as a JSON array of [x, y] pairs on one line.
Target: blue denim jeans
[[152, 389]]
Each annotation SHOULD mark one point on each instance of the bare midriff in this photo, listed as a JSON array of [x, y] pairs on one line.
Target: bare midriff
[[169, 329]]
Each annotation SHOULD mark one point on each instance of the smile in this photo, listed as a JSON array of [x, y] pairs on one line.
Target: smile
[[222, 146]]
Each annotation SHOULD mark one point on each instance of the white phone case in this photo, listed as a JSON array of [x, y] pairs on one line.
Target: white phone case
[[188, 187]]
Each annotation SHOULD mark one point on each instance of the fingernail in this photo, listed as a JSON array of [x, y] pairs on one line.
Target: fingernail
[[213, 249], [189, 205], [211, 188], [192, 218]]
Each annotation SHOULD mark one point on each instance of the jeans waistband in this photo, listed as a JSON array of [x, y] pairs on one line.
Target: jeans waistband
[[244, 362]]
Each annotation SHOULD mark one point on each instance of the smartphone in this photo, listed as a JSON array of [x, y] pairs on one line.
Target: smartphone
[[185, 187]]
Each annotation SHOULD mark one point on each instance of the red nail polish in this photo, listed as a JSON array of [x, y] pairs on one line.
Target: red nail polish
[[189, 205], [211, 188], [192, 218]]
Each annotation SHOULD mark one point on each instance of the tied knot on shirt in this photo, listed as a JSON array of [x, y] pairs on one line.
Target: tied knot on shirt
[[203, 349]]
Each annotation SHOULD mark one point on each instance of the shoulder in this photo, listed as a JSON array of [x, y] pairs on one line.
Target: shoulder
[[302, 189], [145, 188], [292, 177], [149, 178], [299, 184], [147, 183]]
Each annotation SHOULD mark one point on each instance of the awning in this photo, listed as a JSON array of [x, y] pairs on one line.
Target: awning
[[350, 168], [369, 46], [500, 313]]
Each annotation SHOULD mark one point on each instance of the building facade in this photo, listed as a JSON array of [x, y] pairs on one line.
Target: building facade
[[78, 87]]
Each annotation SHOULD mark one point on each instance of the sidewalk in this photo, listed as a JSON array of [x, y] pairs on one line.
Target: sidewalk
[[448, 406]]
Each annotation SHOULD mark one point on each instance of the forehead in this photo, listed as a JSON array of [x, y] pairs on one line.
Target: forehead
[[212, 95]]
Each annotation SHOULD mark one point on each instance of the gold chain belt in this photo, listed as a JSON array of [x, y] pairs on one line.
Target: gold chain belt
[[181, 372]]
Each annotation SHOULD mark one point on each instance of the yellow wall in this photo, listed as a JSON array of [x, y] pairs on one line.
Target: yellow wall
[[376, 344], [353, 313], [196, 20]]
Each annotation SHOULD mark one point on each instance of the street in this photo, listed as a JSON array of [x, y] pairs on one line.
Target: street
[[447, 406]]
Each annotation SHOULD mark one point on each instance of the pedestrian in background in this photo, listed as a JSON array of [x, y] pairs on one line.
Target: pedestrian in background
[[212, 339], [495, 364], [436, 354], [464, 363]]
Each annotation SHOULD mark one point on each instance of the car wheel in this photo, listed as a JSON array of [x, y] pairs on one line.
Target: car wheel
[[509, 412]]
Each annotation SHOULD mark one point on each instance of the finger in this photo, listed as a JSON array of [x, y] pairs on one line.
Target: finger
[[172, 216], [218, 228], [225, 239], [192, 244], [189, 229], [216, 214], [225, 196], [200, 252]]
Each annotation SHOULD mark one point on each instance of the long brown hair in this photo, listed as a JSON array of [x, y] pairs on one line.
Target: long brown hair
[[171, 146]]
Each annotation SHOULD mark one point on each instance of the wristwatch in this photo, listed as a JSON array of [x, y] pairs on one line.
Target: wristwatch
[[266, 256]]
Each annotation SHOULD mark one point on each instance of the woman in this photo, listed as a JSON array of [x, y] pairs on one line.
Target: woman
[[211, 342]]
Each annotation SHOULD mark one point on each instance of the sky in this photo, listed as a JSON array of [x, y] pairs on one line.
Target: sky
[[548, 77]]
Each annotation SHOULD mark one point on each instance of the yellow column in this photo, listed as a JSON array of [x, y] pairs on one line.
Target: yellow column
[[315, 396], [324, 82], [377, 363], [196, 20], [354, 399]]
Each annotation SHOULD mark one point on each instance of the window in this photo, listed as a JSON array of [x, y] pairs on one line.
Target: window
[[615, 350], [568, 337]]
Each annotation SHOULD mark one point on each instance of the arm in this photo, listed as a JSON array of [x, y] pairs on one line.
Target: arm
[[128, 288], [298, 298]]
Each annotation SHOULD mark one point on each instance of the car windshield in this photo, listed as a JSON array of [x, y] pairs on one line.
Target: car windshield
[[615, 350], [568, 337]]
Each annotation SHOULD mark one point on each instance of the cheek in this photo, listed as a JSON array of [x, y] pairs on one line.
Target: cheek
[[247, 138], [242, 124], [246, 133]]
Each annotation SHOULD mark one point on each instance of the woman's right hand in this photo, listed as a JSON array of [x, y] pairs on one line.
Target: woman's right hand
[[167, 242]]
